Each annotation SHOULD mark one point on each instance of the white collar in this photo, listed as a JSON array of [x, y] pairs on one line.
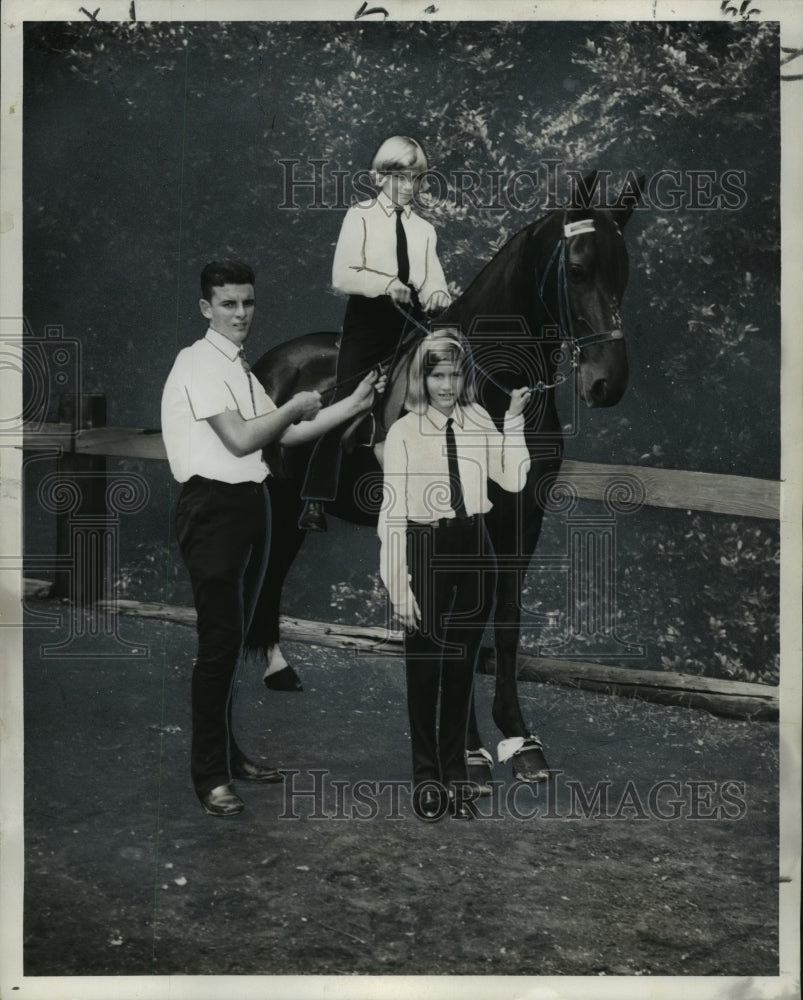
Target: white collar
[[438, 419], [389, 207], [223, 344]]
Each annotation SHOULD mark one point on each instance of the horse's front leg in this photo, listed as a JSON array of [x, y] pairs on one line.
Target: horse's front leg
[[506, 710], [514, 529], [479, 763], [519, 744], [516, 538]]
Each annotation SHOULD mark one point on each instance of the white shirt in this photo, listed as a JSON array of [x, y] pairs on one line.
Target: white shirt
[[208, 378], [416, 478], [365, 257]]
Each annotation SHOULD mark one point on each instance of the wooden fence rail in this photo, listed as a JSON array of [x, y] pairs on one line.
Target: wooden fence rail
[[732, 699], [739, 496]]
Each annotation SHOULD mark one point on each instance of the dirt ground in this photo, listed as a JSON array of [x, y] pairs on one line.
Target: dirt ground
[[126, 875]]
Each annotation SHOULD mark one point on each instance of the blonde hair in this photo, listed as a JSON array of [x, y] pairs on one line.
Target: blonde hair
[[399, 152], [441, 345]]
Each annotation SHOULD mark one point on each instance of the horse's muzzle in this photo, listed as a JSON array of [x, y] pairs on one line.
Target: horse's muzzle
[[602, 374]]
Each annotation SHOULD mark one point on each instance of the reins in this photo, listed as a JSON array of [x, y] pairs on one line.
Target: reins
[[564, 321], [474, 363], [386, 364]]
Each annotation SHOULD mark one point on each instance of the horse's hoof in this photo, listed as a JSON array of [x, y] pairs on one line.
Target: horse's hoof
[[285, 679], [312, 517], [479, 770], [529, 763]]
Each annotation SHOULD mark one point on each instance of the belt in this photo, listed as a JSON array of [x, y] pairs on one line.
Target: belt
[[203, 481], [447, 522]]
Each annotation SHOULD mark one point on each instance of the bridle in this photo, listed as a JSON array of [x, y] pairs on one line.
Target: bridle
[[564, 322]]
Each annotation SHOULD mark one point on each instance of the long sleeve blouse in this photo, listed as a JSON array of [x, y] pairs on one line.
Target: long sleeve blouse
[[416, 478], [365, 260]]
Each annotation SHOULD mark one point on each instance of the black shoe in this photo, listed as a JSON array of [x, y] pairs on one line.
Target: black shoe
[[429, 801], [285, 679], [461, 805], [312, 516], [246, 770], [222, 801]]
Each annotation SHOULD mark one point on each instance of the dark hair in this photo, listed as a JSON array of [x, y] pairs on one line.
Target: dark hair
[[224, 272]]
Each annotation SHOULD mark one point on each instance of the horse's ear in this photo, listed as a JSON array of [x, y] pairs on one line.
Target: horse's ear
[[629, 196], [583, 191]]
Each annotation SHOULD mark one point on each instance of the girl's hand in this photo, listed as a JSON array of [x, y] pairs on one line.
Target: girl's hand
[[408, 615], [399, 292], [518, 400], [363, 395], [438, 301]]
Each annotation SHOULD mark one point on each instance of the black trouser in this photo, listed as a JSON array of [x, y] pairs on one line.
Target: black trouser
[[452, 571], [224, 536], [372, 331]]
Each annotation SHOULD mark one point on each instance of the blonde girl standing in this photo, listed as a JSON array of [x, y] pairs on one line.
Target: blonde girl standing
[[436, 559]]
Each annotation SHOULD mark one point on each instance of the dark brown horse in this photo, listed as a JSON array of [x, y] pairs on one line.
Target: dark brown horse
[[550, 297]]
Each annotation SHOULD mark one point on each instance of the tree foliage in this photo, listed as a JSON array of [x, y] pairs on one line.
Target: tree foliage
[[152, 146]]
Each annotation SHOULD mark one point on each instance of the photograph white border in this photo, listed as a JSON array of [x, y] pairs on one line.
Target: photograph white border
[[12, 981]]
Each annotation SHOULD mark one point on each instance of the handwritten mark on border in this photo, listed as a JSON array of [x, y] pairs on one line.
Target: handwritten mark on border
[[366, 11], [791, 55], [744, 10]]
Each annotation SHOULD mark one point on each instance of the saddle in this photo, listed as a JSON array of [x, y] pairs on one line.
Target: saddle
[[370, 429]]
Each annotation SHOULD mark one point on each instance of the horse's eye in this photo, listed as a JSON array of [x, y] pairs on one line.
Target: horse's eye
[[577, 272]]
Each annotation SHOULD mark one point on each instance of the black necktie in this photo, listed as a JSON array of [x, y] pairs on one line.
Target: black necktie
[[455, 489], [401, 249], [247, 370]]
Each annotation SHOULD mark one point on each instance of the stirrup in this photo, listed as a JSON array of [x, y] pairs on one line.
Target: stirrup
[[372, 436]]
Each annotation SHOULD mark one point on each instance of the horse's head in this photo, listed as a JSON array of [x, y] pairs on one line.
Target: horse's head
[[581, 272]]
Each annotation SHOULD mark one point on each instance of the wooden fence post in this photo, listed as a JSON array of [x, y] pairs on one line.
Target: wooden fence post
[[80, 530]]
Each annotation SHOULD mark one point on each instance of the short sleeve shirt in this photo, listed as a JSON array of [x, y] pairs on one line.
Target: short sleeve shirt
[[208, 378]]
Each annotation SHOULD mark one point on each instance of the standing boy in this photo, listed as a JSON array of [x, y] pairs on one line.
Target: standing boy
[[216, 419]]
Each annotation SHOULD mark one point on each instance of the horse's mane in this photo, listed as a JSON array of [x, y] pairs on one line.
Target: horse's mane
[[499, 278], [505, 287], [508, 278]]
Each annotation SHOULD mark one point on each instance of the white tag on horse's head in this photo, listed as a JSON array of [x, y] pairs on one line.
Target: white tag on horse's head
[[575, 228]]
